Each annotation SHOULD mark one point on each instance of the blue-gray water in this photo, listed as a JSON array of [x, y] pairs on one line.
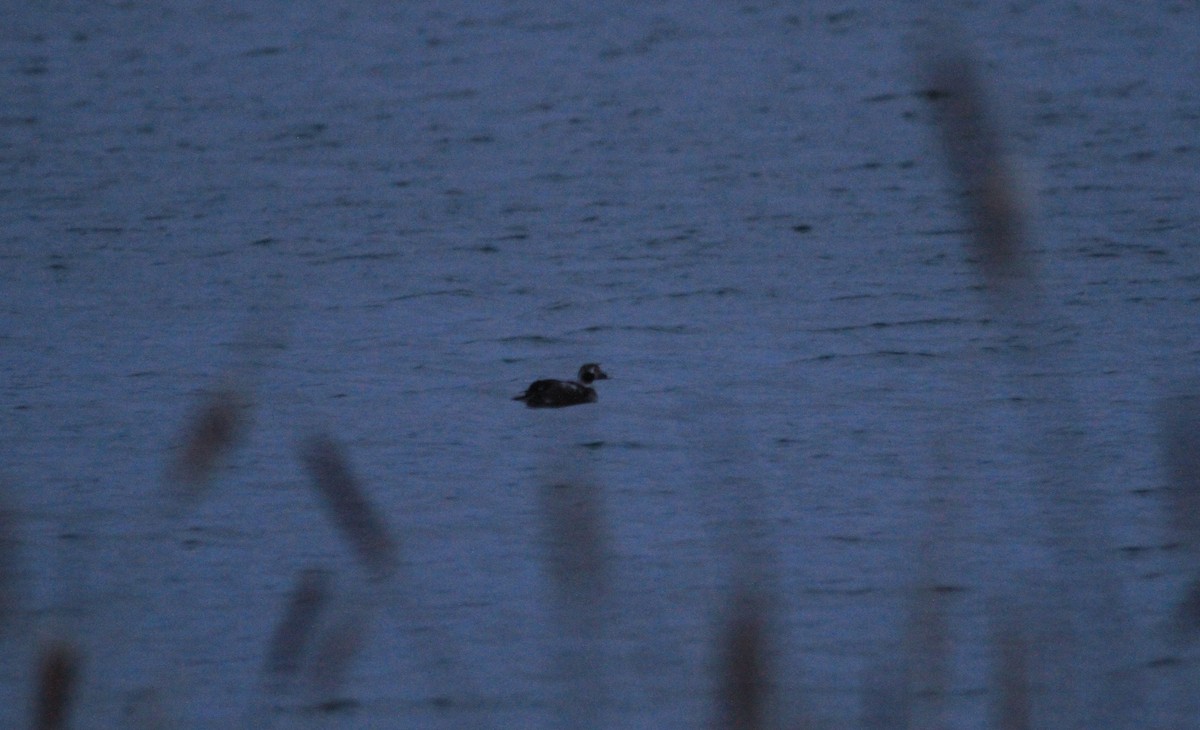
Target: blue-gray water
[[389, 217]]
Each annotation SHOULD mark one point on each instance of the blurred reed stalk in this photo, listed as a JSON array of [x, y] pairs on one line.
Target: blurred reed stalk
[[733, 498], [349, 508], [56, 686], [1010, 679], [886, 700], [575, 532], [210, 434], [371, 540], [308, 640], [928, 643], [576, 549], [220, 421], [9, 562], [912, 688], [333, 653], [298, 624], [972, 145], [1081, 614], [147, 709], [1181, 446], [1181, 439], [336, 642], [742, 665], [313, 639]]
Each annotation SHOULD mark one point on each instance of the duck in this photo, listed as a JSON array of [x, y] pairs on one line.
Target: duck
[[559, 393]]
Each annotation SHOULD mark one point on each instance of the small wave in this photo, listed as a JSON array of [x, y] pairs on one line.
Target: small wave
[[459, 292], [667, 329], [878, 353], [933, 321], [535, 339]]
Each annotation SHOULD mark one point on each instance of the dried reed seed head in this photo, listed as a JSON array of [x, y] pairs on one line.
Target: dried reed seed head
[[210, 433], [971, 140]]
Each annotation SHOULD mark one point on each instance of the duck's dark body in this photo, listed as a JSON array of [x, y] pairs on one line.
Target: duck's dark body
[[556, 393], [559, 393]]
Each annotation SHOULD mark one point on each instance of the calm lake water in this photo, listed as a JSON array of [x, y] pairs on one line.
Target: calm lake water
[[385, 219]]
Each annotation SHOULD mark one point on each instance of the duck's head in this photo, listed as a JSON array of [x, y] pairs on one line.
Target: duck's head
[[590, 372]]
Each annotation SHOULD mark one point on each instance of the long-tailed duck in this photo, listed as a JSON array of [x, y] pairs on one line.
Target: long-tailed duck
[[559, 393]]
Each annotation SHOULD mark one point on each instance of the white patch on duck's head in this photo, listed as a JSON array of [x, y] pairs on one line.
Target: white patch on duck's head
[[591, 371]]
